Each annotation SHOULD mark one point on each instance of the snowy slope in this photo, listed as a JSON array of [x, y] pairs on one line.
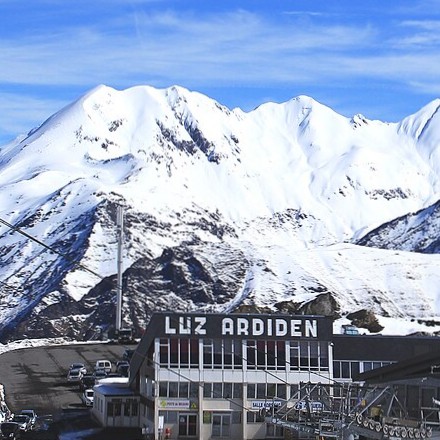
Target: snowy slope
[[273, 209]]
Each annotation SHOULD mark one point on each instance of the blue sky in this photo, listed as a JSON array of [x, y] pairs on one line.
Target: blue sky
[[378, 58]]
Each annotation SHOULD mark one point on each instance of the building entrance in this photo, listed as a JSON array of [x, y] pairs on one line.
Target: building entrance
[[187, 425], [221, 425]]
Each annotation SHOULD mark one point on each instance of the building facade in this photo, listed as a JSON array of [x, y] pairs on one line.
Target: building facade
[[210, 375], [207, 376]]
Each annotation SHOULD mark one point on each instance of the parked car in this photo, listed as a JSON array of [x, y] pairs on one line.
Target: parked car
[[87, 397], [103, 365], [122, 368], [128, 354], [125, 336], [74, 375], [86, 382], [32, 416], [99, 374], [24, 422], [78, 366], [113, 375], [10, 430], [124, 362]]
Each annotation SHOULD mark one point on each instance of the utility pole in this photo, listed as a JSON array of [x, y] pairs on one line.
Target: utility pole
[[120, 228]]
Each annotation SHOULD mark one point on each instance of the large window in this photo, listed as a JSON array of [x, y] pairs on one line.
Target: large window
[[223, 390], [349, 369], [345, 369], [367, 366], [169, 416], [266, 355], [183, 390], [222, 354], [266, 390], [114, 408], [309, 355], [179, 353], [131, 407]]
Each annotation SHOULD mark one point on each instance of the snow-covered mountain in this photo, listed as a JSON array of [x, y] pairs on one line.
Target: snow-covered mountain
[[290, 208]]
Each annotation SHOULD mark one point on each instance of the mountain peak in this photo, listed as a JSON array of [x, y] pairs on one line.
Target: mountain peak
[[415, 124], [260, 209]]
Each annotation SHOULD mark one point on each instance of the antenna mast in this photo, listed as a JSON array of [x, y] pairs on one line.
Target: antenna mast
[[120, 228]]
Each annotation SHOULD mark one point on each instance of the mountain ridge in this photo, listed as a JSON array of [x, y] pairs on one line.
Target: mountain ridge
[[289, 193]]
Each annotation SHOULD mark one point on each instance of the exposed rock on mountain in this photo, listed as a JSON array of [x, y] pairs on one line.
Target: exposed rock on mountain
[[290, 207], [417, 232]]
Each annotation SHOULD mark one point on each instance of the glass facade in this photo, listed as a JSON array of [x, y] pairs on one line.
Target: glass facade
[[182, 390], [235, 354], [215, 374], [179, 353], [349, 369]]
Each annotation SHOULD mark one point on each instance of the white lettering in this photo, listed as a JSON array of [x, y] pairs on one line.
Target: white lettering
[[227, 326], [182, 329], [266, 403], [257, 327], [201, 321], [280, 327], [311, 329], [168, 329], [295, 327], [242, 326]]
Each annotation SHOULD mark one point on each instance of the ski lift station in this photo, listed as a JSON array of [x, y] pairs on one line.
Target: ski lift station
[[254, 376]]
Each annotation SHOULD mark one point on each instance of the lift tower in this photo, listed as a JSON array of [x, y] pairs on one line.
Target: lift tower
[[120, 227]]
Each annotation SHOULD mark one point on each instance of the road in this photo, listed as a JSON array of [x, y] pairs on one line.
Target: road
[[36, 377]]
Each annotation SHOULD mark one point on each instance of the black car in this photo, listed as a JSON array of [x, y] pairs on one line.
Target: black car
[[123, 369], [87, 382], [128, 354], [99, 374], [10, 430]]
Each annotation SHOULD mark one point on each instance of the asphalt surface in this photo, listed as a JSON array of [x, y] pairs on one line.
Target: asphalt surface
[[36, 378]]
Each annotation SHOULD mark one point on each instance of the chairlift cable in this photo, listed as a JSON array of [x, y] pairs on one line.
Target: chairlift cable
[[51, 249]]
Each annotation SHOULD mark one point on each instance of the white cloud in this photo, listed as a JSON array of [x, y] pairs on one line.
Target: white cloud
[[419, 34], [234, 46], [190, 49], [198, 49]]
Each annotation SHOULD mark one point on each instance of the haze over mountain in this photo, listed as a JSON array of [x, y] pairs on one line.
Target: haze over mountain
[[288, 208]]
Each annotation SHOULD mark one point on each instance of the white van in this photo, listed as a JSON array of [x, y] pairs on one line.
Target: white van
[[104, 365]]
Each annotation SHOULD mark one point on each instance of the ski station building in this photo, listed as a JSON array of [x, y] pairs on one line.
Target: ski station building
[[208, 376]]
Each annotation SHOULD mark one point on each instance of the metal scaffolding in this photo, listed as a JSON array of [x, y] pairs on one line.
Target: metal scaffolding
[[350, 410]]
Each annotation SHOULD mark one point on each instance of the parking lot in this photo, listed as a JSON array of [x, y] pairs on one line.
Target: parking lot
[[36, 377]]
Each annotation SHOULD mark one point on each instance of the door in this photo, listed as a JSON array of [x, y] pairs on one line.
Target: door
[[221, 425], [187, 425]]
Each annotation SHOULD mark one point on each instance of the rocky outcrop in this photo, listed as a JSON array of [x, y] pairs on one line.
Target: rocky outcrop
[[365, 319]]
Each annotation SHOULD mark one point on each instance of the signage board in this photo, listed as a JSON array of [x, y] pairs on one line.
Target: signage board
[[174, 403], [241, 326], [260, 404], [314, 406]]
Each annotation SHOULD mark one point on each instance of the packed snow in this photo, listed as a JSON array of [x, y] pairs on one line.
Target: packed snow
[[295, 185]]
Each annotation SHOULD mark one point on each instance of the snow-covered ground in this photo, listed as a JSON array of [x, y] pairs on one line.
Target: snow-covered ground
[[41, 342], [291, 185]]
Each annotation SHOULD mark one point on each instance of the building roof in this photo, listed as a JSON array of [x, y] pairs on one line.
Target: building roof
[[114, 389], [383, 347], [425, 365]]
